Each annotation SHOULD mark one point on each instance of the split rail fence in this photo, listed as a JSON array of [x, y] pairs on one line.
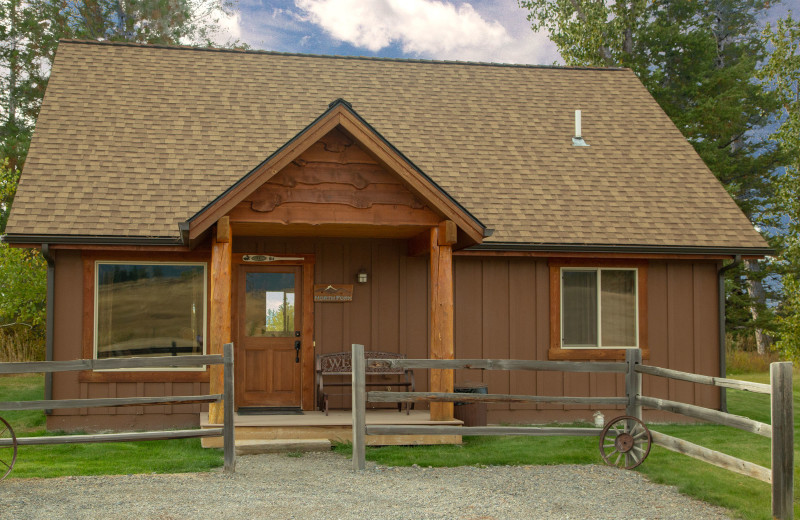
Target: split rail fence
[[227, 430], [780, 431]]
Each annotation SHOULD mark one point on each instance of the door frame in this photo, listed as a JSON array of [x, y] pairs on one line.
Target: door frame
[[307, 296]]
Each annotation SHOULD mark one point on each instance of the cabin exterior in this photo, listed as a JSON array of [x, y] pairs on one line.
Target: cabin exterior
[[294, 205]]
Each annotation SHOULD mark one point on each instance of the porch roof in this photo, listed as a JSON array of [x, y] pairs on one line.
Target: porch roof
[[133, 140]]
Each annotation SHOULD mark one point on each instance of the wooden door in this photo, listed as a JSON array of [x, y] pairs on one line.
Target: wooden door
[[268, 355]]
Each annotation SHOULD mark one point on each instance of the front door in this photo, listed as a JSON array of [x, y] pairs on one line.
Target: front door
[[268, 351]]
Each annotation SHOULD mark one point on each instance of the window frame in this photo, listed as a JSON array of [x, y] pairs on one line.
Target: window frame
[[96, 321], [559, 352], [599, 297]]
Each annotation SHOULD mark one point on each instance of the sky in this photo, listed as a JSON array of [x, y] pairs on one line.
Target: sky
[[474, 30], [479, 30]]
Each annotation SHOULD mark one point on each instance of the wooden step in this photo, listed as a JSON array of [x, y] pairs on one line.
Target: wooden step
[[256, 446]]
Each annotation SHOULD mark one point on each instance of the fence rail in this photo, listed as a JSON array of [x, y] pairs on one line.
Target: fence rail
[[736, 384], [227, 430], [110, 364], [780, 431]]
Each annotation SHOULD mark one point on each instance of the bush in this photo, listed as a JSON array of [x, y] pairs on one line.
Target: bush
[[742, 358], [21, 344]]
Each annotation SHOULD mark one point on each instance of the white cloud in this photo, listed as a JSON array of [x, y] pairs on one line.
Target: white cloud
[[428, 28], [226, 23]]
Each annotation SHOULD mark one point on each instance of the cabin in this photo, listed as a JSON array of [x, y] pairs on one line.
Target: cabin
[[297, 204]]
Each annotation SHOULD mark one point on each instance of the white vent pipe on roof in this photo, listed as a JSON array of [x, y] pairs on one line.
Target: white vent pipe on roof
[[577, 140]]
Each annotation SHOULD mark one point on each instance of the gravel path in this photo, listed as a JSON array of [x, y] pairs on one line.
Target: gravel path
[[322, 486]]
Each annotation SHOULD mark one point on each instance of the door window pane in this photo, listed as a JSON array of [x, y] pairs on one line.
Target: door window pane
[[269, 304], [579, 308], [618, 307]]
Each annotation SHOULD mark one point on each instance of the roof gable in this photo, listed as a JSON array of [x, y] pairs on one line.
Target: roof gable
[[340, 114]]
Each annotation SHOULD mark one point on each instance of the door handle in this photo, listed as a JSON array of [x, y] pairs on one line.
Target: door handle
[[297, 351]]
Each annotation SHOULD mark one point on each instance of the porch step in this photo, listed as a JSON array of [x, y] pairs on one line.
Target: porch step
[[256, 446]]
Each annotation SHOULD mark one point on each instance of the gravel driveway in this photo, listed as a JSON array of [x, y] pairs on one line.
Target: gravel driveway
[[322, 486]]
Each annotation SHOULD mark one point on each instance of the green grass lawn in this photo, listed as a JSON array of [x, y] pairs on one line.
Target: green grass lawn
[[170, 456], [747, 497]]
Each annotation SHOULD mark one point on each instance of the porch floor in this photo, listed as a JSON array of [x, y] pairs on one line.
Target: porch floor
[[336, 427]]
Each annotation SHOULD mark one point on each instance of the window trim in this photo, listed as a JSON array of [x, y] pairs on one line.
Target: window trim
[[557, 351], [95, 320], [598, 270]]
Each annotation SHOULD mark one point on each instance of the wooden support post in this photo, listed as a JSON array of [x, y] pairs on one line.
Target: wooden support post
[[359, 392], [441, 261], [633, 383], [220, 316], [228, 428], [782, 440]]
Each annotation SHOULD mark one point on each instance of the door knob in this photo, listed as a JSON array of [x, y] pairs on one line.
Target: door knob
[[297, 351]]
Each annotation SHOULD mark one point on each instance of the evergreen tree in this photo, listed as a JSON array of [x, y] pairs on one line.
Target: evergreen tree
[[698, 59], [781, 76]]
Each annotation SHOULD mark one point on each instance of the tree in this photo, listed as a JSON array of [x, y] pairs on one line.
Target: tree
[[29, 34], [781, 76], [698, 59]]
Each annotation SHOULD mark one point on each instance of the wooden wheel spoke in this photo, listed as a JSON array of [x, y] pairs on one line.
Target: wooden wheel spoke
[[612, 445], [633, 456], [616, 461], [640, 435]]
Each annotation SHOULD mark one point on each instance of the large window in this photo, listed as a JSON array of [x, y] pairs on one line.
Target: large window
[[598, 308], [149, 309]]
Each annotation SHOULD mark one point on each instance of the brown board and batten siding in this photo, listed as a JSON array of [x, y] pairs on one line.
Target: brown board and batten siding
[[501, 311], [389, 313], [72, 322]]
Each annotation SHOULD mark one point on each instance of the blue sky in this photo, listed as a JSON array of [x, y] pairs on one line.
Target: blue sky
[[494, 31], [477, 30]]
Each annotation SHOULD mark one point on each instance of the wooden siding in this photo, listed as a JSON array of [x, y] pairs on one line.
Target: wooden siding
[[69, 344], [501, 311]]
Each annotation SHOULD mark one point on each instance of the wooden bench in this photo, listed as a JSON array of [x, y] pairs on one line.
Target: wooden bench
[[340, 364]]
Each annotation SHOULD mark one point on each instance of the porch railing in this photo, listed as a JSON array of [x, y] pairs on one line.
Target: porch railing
[[780, 431], [227, 430]]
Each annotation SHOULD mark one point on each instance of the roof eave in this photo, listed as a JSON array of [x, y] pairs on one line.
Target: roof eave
[[624, 248], [106, 240]]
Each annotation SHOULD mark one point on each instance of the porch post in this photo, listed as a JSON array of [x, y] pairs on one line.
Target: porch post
[[441, 257], [219, 325]]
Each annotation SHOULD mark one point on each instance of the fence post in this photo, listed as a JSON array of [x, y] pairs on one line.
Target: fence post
[[358, 370], [228, 427], [633, 383], [780, 375]]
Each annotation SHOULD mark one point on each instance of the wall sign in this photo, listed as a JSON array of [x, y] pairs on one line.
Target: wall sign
[[333, 293]]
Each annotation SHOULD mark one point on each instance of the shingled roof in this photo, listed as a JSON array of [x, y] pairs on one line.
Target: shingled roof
[[133, 140]]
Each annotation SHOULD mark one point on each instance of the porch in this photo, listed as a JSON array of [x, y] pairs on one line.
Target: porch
[[336, 427]]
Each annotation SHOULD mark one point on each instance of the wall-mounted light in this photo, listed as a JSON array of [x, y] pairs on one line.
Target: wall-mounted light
[[361, 276]]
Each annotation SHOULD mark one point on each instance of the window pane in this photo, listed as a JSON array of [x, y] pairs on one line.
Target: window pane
[[150, 310], [579, 309], [618, 307], [269, 304]]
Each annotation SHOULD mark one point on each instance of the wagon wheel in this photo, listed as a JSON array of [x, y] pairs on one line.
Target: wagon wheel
[[628, 442], [8, 450]]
